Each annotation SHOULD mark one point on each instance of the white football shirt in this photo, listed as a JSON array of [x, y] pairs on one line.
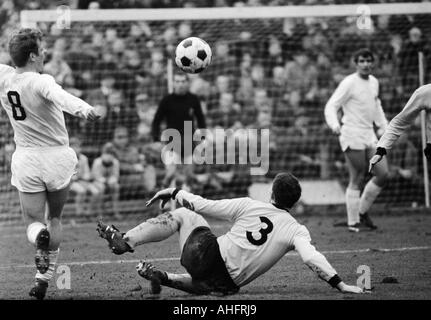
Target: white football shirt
[[35, 103], [420, 100], [260, 236], [359, 100]]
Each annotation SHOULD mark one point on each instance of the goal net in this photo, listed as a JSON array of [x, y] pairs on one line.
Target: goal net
[[272, 68]]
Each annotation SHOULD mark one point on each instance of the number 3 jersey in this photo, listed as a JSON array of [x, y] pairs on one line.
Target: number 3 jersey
[[35, 103], [260, 236]]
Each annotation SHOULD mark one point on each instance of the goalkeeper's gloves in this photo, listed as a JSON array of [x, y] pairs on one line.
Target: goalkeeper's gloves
[[427, 151]]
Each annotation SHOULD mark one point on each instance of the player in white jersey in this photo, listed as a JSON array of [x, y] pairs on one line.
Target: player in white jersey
[[42, 164], [420, 100], [357, 95], [261, 234]]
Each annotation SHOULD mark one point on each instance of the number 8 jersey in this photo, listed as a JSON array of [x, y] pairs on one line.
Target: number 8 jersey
[[260, 236], [35, 103]]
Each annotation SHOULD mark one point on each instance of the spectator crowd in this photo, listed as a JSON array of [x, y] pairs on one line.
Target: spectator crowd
[[266, 73]]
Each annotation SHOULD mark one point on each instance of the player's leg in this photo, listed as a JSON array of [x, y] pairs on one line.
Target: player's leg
[[33, 208], [55, 204], [372, 189], [356, 164], [155, 229], [165, 225], [56, 201], [191, 253], [183, 281]]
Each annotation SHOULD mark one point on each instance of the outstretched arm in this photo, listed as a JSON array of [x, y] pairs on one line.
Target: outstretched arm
[[419, 100], [51, 91], [227, 209], [401, 122], [318, 263]]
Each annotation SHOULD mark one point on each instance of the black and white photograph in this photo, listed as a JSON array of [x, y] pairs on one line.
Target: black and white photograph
[[215, 158]]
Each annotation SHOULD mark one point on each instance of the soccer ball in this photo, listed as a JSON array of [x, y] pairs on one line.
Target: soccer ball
[[193, 55]]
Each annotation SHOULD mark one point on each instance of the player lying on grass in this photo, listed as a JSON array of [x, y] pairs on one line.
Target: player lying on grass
[[43, 163], [262, 233], [420, 100]]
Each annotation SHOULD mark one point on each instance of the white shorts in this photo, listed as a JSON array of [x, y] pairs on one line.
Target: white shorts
[[357, 139], [40, 169]]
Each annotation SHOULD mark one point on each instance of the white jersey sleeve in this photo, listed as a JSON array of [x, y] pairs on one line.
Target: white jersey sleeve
[[53, 92], [380, 117], [420, 100], [338, 98], [313, 258], [228, 209]]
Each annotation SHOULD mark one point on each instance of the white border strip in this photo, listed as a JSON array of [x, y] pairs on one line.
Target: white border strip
[[100, 262], [30, 17]]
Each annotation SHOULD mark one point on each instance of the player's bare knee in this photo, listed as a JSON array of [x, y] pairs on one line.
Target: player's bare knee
[[381, 178], [189, 217]]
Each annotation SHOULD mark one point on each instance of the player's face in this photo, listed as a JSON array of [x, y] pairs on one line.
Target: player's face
[[40, 58], [364, 66], [181, 85]]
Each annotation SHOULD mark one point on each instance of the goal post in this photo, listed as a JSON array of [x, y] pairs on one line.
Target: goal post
[[31, 18], [423, 116], [272, 67]]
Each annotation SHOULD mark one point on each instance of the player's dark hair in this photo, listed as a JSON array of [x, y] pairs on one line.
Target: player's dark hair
[[22, 44], [363, 52], [286, 190]]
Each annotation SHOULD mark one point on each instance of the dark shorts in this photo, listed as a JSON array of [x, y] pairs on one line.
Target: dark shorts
[[202, 260]]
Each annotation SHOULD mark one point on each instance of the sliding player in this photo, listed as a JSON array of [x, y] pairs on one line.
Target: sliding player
[[420, 100], [357, 95], [262, 233], [43, 162]]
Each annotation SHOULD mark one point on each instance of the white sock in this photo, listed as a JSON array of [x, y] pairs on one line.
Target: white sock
[[352, 205], [53, 256], [369, 195], [33, 230]]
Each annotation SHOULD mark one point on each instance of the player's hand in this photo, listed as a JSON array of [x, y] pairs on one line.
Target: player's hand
[[164, 196], [427, 151], [344, 288], [93, 115]]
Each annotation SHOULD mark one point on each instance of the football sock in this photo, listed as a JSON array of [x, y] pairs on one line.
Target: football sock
[[53, 256], [33, 230], [369, 195], [352, 205], [152, 230]]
